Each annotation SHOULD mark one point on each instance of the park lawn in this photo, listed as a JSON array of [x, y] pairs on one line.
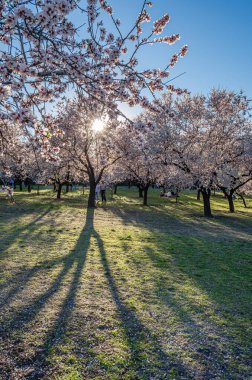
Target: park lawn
[[124, 291]]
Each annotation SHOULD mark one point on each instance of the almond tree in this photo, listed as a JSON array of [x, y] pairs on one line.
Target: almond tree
[[236, 173], [44, 54], [91, 153], [245, 190], [201, 135], [139, 156]]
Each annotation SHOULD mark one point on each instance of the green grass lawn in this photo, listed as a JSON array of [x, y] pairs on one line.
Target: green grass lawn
[[124, 291]]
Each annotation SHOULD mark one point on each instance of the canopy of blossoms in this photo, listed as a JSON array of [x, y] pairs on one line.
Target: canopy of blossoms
[[44, 54]]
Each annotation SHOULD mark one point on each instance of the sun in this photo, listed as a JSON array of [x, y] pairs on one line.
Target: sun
[[98, 125]]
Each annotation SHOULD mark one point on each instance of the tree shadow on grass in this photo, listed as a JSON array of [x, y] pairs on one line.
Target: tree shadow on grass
[[233, 227], [27, 314], [218, 271], [147, 357], [59, 327], [213, 322], [13, 234], [18, 280]]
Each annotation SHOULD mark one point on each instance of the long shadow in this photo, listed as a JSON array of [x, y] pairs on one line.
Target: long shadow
[[137, 335], [28, 313], [204, 248], [166, 221], [60, 325], [195, 256], [196, 324], [21, 278], [150, 361], [8, 239]]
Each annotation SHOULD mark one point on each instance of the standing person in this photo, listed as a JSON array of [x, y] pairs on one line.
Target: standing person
[[97, 192], [103, 192]]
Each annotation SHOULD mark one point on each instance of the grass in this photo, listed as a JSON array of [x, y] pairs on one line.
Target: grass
[[124, 291]]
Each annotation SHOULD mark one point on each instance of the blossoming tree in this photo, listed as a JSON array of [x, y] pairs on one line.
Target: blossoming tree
[[44, 53], [203, 136]]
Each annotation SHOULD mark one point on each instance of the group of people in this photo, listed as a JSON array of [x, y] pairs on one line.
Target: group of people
[[168, 194], [100, 190]]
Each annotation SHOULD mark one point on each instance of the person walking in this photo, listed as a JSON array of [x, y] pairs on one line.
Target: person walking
[[103, 192]]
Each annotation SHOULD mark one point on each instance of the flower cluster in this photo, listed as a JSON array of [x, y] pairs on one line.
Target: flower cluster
[[170, 40], [160, 24]]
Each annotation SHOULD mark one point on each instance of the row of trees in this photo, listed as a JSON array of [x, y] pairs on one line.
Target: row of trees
[[178, 141], [203, 142]]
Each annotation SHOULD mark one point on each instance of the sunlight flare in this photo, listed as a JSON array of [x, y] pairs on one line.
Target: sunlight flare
[[98, 125]]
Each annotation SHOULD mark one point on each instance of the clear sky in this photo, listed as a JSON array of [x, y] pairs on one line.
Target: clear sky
[[219, 35]]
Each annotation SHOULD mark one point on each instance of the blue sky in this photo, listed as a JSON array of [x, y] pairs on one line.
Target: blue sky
[[219, 35]]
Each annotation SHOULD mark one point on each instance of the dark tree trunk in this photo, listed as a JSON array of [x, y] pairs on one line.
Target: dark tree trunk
[[207, 206], [37, 189], [91, 197], [231, 203], [20, 186], [243, 199], [54, 187], [140, 192], [115, 189], [198, 195], [229, 197], [29, 188], [59, 191], [67, 187], [83, 189], [145, 197]]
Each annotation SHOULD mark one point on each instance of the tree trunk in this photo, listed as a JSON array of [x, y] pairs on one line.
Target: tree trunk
[[207, 206], [140, 192], [37, 189], [198, 195], [59, 191], [145, 195], [91, 197], [21, 186], [83, 189], [67, 187], [229, 197], [115, 189], [243, 199], [29, 187], [231, 203]]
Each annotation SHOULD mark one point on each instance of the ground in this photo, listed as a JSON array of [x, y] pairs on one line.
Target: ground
[[124, 291]]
